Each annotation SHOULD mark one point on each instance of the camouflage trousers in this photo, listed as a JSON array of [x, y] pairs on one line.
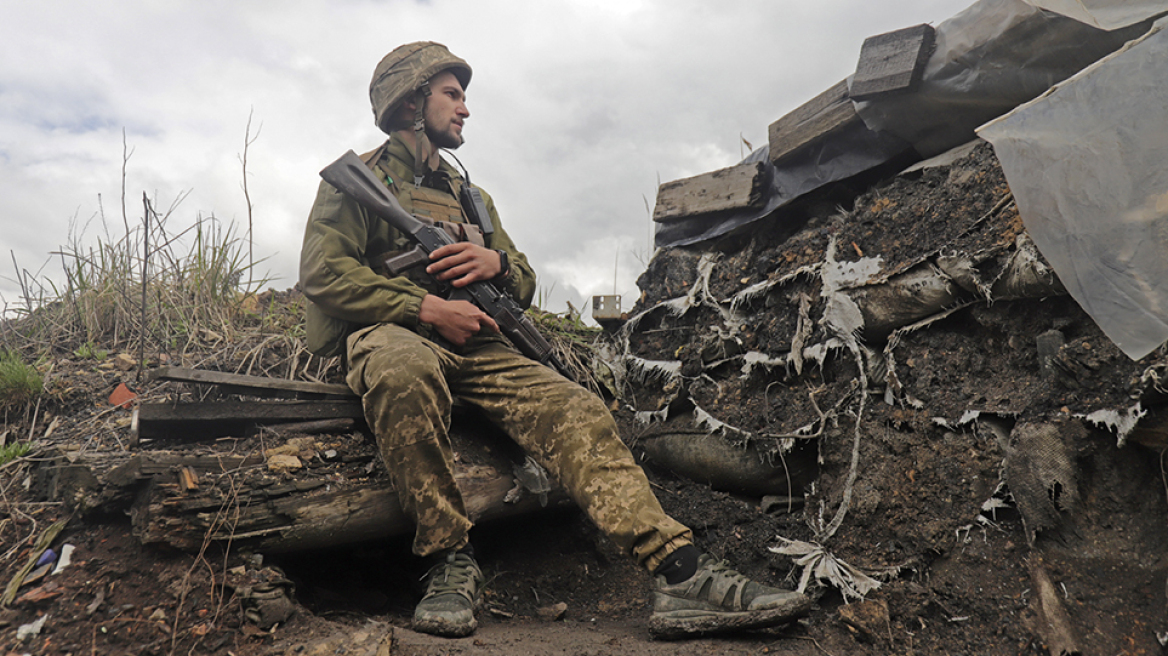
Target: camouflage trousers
[[408, 383]]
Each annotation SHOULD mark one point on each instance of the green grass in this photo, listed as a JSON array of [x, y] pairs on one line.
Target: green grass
[[10, 452], [19, 382], [88, 351]]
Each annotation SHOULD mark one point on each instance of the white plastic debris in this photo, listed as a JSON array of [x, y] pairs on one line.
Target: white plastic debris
[[817, 562], [1122, 422], [31, 629], [65, 559]]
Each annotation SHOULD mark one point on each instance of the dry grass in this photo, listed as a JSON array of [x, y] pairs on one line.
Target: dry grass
[[146, 288], [185, 297]]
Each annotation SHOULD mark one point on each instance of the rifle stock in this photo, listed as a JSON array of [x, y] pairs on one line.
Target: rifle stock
[[352, 177]]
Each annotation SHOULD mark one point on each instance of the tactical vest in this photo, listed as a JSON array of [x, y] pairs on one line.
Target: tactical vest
[[326, 335], [438, 206]]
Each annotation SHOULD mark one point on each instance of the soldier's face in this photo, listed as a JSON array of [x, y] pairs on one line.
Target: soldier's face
[[446, 111]]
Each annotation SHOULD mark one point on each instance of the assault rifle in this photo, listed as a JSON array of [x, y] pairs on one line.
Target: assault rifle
[[351, 176]]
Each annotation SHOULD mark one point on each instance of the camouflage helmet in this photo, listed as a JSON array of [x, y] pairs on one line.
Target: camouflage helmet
[[402, 71]]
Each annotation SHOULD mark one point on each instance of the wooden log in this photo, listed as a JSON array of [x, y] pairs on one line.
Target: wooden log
[[892, 62], [829, 112], [223, 495], [254, 385], [249, 512], [730, 188], [201, 421], [325, 516]]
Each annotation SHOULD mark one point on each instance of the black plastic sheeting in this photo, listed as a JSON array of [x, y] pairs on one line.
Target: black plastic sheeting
[[856, 150], [990, 58]]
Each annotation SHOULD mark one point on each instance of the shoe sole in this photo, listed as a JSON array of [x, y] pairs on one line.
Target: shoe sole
[[445, 629], [679, 624]]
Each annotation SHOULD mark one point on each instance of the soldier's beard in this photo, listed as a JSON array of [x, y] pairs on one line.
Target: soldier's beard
[[445, 139]]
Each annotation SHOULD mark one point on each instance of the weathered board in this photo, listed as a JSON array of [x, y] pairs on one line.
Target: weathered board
[[892, 62], [254, 385], [730, 188], [207, 420], [829, 112]]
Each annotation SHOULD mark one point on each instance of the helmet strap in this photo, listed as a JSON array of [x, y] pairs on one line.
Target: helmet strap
[[420, 141]]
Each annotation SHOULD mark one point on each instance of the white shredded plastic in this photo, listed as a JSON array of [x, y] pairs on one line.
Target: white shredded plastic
[[818, 562], [650, 416], [31, 629], [1122, 422], [646, 370]]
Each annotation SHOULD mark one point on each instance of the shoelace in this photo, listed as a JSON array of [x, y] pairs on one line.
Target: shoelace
[[457, 575]]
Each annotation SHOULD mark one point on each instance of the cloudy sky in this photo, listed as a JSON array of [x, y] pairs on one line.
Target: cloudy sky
[[579, 110]]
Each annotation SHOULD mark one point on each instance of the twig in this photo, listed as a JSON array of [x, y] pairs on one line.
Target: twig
[[248, 140], [230, 500], [145, 267], [812, 641]]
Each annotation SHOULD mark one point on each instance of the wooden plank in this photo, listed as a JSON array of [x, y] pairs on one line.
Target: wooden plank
[[824, 114], [259, 411], [730, 188], [255, 385], [187, 421], [892, 62], [187, 480]]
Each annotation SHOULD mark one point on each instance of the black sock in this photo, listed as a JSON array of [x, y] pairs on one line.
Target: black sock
[[679, 565]]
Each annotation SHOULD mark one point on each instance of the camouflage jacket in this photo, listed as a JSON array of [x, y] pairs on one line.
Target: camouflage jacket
[[343, 242]]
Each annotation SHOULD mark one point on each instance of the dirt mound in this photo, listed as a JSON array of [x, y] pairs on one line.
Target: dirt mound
[[968, 418]]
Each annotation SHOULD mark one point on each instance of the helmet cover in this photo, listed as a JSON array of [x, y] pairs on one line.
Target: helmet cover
[[403, 71]]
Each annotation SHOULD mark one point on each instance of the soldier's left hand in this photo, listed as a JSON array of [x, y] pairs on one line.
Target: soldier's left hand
[[463, 263]]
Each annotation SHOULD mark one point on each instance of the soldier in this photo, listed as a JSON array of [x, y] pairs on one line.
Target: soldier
[[410, 353]]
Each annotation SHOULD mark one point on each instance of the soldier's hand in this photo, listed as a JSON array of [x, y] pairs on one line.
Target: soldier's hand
[[463, 263], [456, 321]]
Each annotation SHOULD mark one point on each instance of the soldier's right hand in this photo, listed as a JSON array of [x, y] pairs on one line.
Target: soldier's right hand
[[456, 321]]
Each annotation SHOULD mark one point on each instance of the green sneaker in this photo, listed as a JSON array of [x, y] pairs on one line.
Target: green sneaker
[[452, 592], [717, 599]]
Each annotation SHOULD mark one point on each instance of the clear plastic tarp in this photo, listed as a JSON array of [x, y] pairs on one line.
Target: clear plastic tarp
[[1105, 14], [1086, 164], [988, 59]]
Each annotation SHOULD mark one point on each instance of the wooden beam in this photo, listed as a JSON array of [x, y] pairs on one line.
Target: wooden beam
[[187, 421], [254, 385], [892, 62], [824, 114], [730, 188]]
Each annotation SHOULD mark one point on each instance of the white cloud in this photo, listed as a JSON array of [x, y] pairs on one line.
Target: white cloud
[[578, 109]]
